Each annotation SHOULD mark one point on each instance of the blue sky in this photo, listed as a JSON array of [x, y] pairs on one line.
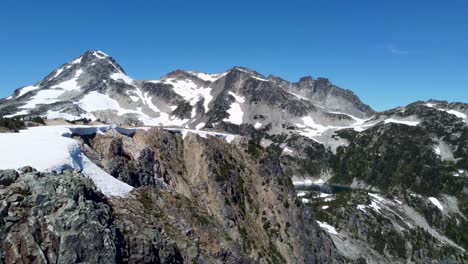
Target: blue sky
[[389, 53]]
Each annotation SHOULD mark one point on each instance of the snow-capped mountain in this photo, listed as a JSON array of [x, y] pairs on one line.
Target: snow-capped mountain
[[95, 86]]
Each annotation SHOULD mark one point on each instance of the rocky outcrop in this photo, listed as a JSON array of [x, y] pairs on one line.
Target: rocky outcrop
[[234, 196], [204, 200], [47, 218]]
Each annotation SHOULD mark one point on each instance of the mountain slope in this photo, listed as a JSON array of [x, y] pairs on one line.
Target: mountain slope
[[95, 87]]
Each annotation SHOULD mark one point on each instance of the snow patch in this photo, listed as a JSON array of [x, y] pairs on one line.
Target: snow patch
[[238, 98], [200, 126], [50, 148], [27, 89], [71, 84], [191, 92], [95, 101], [287, 150], [330, 229], [436, 202], [312, 129], [301, 194], [404, 122], [450, 111], [260, 79], [235, 114], [456, 113], [108, 185], [120, 76], [66, 116], [361, 207], [22, 112], [204, 134], [77, 61], [377, 202], [206, 76], [306, 182], [48, 96], [100, 55], [300, 97]]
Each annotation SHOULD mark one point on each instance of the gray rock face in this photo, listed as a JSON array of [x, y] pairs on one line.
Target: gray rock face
[[46, 218], [323, 93], [203, 201], [8, 177], [215, 199]]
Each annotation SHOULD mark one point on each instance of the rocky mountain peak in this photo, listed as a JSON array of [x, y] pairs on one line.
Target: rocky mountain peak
[[245, 70], [95, 86], [306, 81], [99, 59]]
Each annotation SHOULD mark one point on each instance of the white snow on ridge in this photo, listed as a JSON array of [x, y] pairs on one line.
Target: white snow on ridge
[[27, 89], [71, 84], [49, 148], [359, 121], [22, 112], [207, 76], [456, 113], [51, 95], [238, 98], [204, 134], [260, 79], [58, 72], [297, 95], [120, 76], [191, 92], [377, 202], [78, 60], [95, 101], [312, 129], [200, 126], [450, 111], [409, 123], [100, 55], [48, 96], [330, 229], [436, 202]]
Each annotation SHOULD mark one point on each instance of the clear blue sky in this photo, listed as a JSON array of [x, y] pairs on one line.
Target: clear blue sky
[[389, 53]]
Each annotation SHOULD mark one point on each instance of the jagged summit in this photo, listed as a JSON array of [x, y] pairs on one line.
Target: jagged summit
[[96, 87]]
